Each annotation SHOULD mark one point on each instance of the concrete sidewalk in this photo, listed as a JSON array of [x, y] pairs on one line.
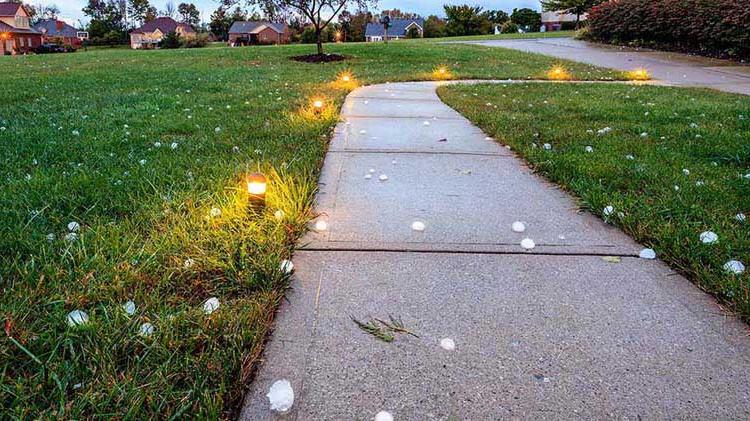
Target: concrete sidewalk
[[556, 332], [673, 68]]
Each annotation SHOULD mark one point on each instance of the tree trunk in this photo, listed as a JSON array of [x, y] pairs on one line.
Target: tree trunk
[[319, 40], [578, 21], [385, 34]]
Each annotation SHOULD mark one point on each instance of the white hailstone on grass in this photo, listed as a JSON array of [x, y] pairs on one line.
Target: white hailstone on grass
[[281, 396], [708, 237], [51, 237], [279, 214], [518, 226], [157, 144], [447, 344], [76, 133], [547, 146], [129, 308], [608, 210], [77, 318], [693, 125], [173, 145], [686, 171], [287, 266], [676, 188], [602, 132], [418, 226], [588, 149], [217, 130], [321, 225], [630, 157], [146, 330], [740, 217], [235, 149], [71, 237], [383, 177], [528, 243], [188, 263], [383, 416], [644, 134], [734, 266], [647, 254], [73, 226], [211, 305], [142, 162], [590, 131], [700, 183], [215, 212], [2, 129]]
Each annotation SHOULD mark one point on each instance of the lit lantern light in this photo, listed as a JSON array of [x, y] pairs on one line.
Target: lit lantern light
[[256, 190], [442, 73], [317, 106], [559, 72], [639, 74], [345, 80]]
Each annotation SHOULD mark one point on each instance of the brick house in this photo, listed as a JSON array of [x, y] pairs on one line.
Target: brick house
[[151, 33], [254, 32], [16, 34], [399, 28], [58, 32]]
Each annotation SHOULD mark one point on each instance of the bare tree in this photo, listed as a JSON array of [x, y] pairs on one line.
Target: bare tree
[[169, 9], [319, 12]]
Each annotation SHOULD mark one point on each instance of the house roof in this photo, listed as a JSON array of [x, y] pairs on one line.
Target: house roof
[[397, 27], [253, 27], [164, 24], [9, 9], [4, 27], [56, 28]]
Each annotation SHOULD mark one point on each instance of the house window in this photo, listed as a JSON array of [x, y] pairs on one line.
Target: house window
[[22, 22], [20, 42]]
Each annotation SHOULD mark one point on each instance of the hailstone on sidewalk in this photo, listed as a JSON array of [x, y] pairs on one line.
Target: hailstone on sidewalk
[[281, 396]]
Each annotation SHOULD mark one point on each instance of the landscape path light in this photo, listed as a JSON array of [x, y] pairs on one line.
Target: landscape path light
[[256, 190]]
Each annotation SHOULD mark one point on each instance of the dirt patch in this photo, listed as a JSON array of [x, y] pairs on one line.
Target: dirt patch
[[319, 58]]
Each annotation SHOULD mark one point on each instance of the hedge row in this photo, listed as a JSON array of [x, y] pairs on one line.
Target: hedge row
[[713, 27]]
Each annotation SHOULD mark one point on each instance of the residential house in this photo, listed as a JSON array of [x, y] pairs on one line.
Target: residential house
[[557, 21], [254, 32], [151, 33], [58, 32], [16, 34], [398, 29]]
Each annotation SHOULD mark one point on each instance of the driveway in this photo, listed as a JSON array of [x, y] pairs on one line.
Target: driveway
[[672, 68]]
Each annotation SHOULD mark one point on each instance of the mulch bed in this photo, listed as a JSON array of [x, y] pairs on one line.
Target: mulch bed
[[319, 58]]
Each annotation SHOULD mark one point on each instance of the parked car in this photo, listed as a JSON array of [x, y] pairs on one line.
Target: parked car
[[54, 48]]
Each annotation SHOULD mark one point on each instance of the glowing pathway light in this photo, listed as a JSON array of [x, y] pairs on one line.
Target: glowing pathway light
[[442, 73], [638, 74], [256, 190], [559, 72], [318, 105]]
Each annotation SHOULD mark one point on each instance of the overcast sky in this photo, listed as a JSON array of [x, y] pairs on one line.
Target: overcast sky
[[71, 9]]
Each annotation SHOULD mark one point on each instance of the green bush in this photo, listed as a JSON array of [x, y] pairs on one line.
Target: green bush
[[716, 27], [509, 28], [198, 41], [170, 41]]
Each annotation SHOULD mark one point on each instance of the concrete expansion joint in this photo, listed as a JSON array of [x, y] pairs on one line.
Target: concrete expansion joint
[[462, 252]]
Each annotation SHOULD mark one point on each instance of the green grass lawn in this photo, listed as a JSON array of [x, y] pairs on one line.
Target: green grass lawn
[[675, 164], [146, 151]]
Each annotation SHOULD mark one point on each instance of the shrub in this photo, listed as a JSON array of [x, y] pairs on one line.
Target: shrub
[[713, 27], [170, 40], [509, 28], [198, 41]]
